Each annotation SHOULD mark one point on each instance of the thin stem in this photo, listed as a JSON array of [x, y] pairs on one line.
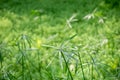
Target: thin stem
[[22, 53], [93, 63], [92, 73], [1, 58], [22, 66], [39, 65], [66, 65], [1, 67], [79, 56]]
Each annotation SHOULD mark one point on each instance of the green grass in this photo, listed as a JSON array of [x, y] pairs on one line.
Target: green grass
[[59, 40]]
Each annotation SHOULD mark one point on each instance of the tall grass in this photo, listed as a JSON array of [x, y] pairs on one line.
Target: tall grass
[[65, 40]]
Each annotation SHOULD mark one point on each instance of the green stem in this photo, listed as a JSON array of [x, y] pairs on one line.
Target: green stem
[[92, 73], [22, 66], [66, 65], [22, 53], [1, 68], [39, 65], [79, 56], [93, 63], [1, 59]]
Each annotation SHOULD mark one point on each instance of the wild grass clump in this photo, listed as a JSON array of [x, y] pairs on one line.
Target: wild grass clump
[[59, 40]]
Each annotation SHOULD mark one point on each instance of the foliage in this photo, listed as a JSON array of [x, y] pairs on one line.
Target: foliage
[[59, 40]]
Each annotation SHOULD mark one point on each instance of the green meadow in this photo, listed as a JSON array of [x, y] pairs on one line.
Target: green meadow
[[59, 40]]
